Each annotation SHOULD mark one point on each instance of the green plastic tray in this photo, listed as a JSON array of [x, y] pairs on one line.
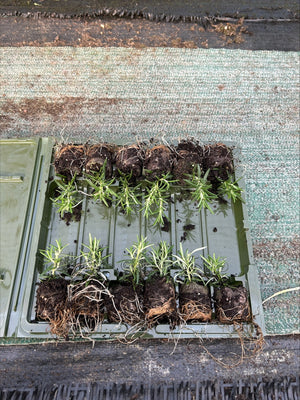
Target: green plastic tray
[[24, 168], [226, 233]]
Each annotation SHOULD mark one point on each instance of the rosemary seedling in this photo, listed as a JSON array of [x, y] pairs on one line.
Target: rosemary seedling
[[231, 189], [128, 196], [94, 259], [55, 261], [201, 189], [68, 197], [161, 259], [188, 270], [138, 258], [156, 198], [215, 266], [102, 187]]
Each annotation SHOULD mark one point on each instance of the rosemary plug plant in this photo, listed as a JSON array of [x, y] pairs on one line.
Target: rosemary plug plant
[[68, 197], [127, 195], [156, 198], [215, 266], [231, 189], [102, 187], [188, 270], [138, 258], [201, 189], [94, 259], [55, 261], [231, 298], [161, 260]]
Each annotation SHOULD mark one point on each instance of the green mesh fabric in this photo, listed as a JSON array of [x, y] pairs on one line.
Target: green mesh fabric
[[123, 95]]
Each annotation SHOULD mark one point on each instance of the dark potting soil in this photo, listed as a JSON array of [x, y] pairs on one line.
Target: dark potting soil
[[166, 226], [158, 161], [188, 156], [189, 227], [51, 298], [218, 159], [186, 229], [125, 305], [159, 300], [232, 304], [97, 155], [69, 160], [129, 160], [75, 215], [190, 146], [194, 302]]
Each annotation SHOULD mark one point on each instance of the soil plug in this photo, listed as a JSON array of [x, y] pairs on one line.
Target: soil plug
[[129, 161], [231, 298], [219, 162], [51, 293], [159, 296], [194, 295], [188, 156], [126, 304], [89, 287], [99, 155], [158, 161], [69, 160]]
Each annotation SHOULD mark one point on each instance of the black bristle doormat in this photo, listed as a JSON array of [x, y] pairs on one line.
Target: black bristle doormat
[[286, 388]]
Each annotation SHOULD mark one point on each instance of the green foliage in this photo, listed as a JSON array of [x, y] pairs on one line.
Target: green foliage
[[128, 196], [68, 196], [102, 187], [137, 260], [94, 259], [231, 189], [156, 198], [215, 266], [55, 261], [201, 189], [162, 259], [188, 270]]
